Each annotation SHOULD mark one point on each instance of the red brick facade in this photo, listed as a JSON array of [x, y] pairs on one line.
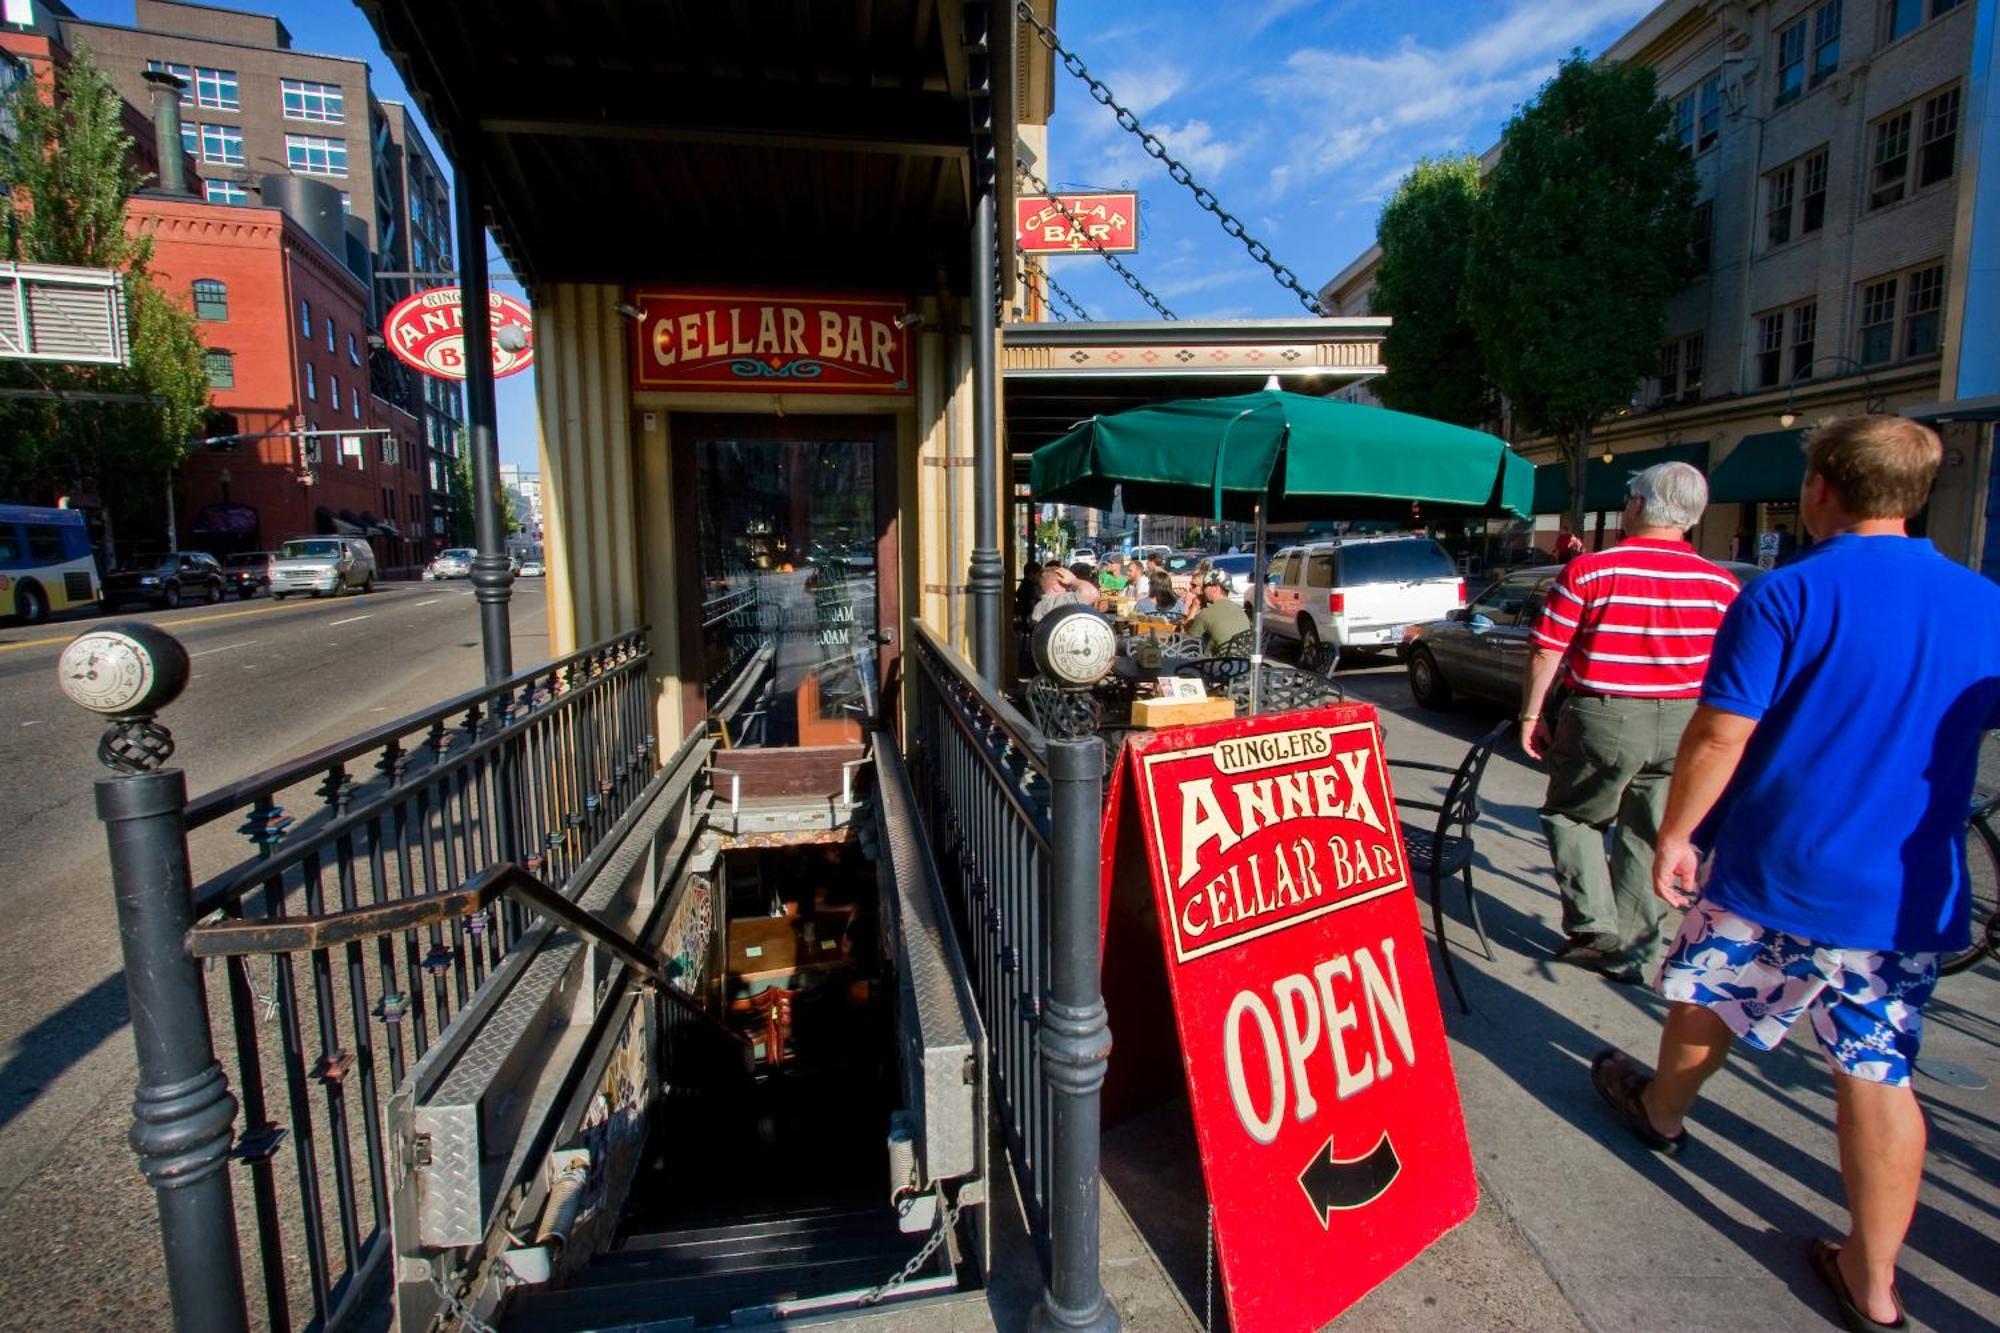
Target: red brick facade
[[283, 300]]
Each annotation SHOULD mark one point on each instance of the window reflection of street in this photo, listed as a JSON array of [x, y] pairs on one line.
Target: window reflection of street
[[787, 543]]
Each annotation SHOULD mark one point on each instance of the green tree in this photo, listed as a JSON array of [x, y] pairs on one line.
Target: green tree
[[67, 173], [1582, 236], [1055, 534], [464, 528], [1436, 366]]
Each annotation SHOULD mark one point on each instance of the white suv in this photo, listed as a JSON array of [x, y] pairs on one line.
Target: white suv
[[1353, 594]]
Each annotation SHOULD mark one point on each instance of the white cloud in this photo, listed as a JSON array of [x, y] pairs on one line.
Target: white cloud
[[1349, 104], [1193, 142], [1273, 11], [1169, 288]]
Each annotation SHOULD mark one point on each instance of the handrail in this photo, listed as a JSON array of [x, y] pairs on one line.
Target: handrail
[[1023, 734], [240, 879], [227, 798]]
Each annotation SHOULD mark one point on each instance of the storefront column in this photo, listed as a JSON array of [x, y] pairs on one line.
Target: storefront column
[[492, 573]]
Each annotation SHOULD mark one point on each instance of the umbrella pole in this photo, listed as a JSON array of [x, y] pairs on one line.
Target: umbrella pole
[[1257, 582]]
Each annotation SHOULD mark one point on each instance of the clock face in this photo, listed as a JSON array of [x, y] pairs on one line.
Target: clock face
[[129, 669], [1080, 649]]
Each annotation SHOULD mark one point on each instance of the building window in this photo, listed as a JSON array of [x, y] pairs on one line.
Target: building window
[[1701, 249], [1812, 203], [312, 383], [346, 202], [1708, 122], [309, 446], [182, 72], [1900, 18], [1684, 121], [353, 351], [1769, 364], [211, 299], [190, 138], [1889, 165], [1826, 43], [333, 390], [1937, 141], [314, 155], [355, 399], [1805, 325], [1922, 329], [1694, 351], [330, 346], [391, 453], [1670, 371], [224, 192], [1878, 322], [322, 102], [216, 88], [221, 368], [1778, 189], [305, 319], [222, 144], [1791, 62], [350, 450]]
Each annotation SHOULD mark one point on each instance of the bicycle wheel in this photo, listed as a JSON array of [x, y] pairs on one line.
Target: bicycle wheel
[[1982, 859]]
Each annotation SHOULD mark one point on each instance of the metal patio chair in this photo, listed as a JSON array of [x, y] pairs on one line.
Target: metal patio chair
[[1445, 848]]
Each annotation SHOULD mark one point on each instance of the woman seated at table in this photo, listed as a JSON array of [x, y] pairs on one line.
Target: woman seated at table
[[1159, 598]]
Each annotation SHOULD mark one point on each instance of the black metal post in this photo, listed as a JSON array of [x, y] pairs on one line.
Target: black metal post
[[987, 573], [183, 1115], [1075, 1041], [492, 573]]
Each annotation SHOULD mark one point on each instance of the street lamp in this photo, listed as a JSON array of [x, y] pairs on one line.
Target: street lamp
[[1870, 404]]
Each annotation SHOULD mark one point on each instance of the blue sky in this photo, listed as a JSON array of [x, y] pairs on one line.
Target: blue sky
[[1300, 114]]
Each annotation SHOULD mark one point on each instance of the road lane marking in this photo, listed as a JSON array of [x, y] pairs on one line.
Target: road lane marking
[[429, 601], [84, 625], [349, 621], [36, 723], [226, 647]]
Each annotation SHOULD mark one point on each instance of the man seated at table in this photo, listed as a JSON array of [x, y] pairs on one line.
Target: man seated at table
[[1220, 618], [1111, 575], [1158, 598], [1061, 587]]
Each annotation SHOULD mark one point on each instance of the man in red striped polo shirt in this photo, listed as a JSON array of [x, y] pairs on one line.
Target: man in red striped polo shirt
[[1630, 631]]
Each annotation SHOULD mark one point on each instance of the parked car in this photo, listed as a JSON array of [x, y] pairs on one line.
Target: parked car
[[1082, 555], [247, 573], [322, 566], [165, 579], [1483, 650], [1352, 595], [533, 569], [452, 563]]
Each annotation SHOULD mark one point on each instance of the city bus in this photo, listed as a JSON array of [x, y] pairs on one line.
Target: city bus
[[46, 564]]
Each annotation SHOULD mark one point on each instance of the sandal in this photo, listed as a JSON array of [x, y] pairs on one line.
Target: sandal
[[1825, 1261], [1619, 1082]]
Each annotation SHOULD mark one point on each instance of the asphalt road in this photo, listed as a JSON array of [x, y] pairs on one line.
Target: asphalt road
[[271, 680]]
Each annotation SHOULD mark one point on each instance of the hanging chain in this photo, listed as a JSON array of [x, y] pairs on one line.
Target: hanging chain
[[1208, 1311], [1046, 281], [1077, 228], [1157, 150], [946, 1219], [459, 1310]]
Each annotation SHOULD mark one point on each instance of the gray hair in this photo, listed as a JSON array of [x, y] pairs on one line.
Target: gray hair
[[1672, 495]]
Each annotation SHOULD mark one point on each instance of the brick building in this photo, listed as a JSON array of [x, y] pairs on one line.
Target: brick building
[[255, 108], [286, 323]]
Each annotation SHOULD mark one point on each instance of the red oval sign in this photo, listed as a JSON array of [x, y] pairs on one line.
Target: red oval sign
[[427, 333]]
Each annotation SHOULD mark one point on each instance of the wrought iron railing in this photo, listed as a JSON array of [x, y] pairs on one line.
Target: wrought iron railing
[[1014, 823], [315, 1028]]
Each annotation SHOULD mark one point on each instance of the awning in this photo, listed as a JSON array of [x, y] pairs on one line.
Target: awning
[[1770, 466], [1604, 484]]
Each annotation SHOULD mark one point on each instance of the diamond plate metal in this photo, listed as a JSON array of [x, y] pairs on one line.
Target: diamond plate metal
[[943, 1046]]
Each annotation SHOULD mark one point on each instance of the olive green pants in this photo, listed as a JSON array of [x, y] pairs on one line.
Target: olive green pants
[[1609, 768]]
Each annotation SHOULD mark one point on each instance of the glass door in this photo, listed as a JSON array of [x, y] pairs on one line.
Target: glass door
[[791, 546]]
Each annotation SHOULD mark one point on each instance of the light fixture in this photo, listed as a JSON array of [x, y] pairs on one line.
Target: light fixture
[[630, 311], [909, 319], [1607, 453], [1788, 419]]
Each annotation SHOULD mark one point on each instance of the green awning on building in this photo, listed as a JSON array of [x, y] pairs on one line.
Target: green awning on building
[[1604, 484], [1770, 466]]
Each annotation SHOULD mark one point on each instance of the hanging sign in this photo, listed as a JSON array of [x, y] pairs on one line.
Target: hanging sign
[[427, 332], [1107, 222], [1324, 1104], [770, 343]]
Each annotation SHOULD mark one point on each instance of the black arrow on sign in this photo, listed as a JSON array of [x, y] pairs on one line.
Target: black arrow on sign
[[1332, 1183]]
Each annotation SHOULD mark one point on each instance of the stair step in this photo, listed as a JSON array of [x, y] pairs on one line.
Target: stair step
[[591, 1303], [832, 1222]]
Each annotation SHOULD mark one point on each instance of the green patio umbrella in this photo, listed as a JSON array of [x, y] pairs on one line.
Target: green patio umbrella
[[1273, 454]]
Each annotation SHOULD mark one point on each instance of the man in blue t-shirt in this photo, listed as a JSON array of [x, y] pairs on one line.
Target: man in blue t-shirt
[[1828, 772]]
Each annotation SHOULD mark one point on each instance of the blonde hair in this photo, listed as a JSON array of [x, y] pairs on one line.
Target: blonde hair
[[1878, 467]]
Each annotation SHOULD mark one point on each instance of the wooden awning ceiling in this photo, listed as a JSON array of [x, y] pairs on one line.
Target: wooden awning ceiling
[[748, 142]]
